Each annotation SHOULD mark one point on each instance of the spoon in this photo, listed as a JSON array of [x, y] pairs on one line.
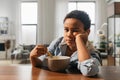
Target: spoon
[[49, 54]]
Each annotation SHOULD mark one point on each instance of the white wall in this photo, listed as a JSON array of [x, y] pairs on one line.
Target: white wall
[[7, 10], [50, 19], [101, 17], [46, 11], [61, 9], [101, 13]]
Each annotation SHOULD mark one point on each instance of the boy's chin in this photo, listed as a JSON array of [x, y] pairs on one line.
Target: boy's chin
[[70, 44]]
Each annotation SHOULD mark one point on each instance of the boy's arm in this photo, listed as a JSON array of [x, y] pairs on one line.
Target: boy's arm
[[35, 62], [38, 51], [86, 64], [83, 53]]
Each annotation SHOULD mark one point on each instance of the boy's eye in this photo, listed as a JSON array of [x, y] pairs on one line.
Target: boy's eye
[[66, 30], [75, 30]]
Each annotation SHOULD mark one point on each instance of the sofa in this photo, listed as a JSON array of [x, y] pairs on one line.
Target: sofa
[[21, 52]]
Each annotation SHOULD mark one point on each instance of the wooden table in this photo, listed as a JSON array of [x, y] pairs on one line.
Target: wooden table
[[32, 73]]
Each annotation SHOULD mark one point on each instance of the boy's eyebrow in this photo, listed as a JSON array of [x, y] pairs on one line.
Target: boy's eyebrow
[[74, 28], [71, 28], [65, 27]]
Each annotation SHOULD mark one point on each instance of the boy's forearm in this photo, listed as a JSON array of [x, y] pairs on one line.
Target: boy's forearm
[[35, 62], [83, 53], [89, 67]]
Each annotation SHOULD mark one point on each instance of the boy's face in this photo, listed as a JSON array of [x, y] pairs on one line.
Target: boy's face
[[72, 27]]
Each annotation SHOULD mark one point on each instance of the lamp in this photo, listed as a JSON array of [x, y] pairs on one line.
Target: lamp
[[101, 36], [100, 31]]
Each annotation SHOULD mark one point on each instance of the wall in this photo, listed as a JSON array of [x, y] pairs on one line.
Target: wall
[[7, 9], [45, 21], [50, 19], [60, 10], [101, 17]]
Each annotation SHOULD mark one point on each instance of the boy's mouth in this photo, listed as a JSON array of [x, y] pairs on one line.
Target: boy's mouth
[[69, 40]]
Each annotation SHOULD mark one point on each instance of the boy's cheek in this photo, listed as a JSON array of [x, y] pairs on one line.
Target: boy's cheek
[[75, 34]]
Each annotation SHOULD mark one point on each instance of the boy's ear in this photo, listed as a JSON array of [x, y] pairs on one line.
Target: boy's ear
[[88, 31]]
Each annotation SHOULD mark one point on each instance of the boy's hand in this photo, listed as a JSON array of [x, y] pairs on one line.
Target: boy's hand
[[83, 36], [38, 51]]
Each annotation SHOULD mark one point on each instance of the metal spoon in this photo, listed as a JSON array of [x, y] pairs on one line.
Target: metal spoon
[[49, 54]]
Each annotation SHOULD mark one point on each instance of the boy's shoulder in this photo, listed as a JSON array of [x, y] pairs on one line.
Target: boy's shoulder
[[59, 39]]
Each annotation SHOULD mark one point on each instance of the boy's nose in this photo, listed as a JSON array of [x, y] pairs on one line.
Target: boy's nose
[[70, 33]]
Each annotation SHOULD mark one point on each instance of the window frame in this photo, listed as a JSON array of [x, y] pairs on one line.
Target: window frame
[[27, 23], [92, 24], [84, 1]]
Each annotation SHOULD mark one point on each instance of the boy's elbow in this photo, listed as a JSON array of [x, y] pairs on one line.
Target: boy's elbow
[[90, 71], [89, 67]]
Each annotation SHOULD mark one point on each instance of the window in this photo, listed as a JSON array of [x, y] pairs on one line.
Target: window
[[88, 7], [29, 22]]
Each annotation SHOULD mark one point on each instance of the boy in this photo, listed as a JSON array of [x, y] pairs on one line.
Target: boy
[[74, 43]]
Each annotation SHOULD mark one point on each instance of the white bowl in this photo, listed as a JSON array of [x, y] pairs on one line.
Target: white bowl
[[58, 63]]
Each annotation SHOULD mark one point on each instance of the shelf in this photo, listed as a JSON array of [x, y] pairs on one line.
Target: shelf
[[114, 9], [114, 29]]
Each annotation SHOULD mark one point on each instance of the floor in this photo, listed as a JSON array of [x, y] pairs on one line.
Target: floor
[[104, 62], [111, 61], [10, 62]]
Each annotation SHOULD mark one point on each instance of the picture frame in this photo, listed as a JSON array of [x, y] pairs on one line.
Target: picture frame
[[3, 25]]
